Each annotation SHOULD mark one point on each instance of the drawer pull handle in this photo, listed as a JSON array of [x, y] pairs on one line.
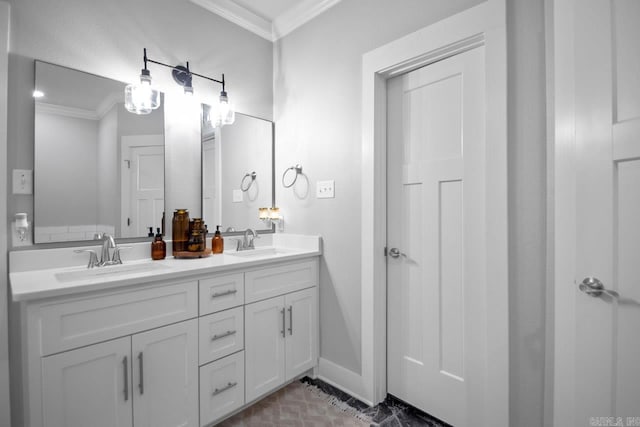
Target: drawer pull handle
[[220, 336], [223, 389], [141, 383], [126, 378], [221, 294], [290, 320], [284, 326]]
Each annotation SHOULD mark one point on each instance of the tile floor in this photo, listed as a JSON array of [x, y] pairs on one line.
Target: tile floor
[[390, 413], [314, 403], [297, 404]]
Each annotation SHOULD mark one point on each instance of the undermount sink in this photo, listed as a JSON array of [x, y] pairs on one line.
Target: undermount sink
[[108, 271], [259, 252]]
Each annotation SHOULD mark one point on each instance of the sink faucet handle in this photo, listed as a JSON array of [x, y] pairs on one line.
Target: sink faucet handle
[[93, 257], [116, 254]]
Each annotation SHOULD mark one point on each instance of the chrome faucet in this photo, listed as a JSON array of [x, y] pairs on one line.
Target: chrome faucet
[[108, 242], [247, 242]]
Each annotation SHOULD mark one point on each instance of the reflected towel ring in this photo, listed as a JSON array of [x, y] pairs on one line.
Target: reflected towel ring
[[251, 175], [298, 169]]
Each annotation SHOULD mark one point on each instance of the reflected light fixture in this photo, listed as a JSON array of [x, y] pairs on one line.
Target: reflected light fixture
[[38, 94], [142, 98]]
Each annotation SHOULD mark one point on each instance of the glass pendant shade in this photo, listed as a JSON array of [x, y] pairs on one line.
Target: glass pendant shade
[[226, 112], [141, 98]]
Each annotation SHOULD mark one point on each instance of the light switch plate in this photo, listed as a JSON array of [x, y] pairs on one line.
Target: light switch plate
[[325, 189], [237, 196], [22, 181]]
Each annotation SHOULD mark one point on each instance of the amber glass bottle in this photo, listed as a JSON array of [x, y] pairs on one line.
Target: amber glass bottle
[[158, 247], [217, 242], [180, 234]]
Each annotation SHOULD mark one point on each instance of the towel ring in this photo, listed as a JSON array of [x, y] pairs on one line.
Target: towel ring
[[298, 169], [251, 175]]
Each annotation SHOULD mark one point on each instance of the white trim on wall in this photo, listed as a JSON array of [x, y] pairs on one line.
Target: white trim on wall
[[482, 24], [5, 412]]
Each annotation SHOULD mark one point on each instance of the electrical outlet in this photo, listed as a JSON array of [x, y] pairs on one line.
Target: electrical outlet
[[22, 181], [325, 189]]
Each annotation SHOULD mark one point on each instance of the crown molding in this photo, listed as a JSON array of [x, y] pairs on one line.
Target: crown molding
[[60, 110], [300, 15], [272, 31], [239, 15]]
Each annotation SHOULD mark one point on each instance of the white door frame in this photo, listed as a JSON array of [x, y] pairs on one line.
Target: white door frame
[[484, 24]]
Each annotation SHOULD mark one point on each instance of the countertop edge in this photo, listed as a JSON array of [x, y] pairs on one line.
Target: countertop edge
[[23, 296]]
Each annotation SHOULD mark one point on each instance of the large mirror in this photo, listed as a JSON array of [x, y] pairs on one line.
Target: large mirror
[[98, 168], [237, 172]]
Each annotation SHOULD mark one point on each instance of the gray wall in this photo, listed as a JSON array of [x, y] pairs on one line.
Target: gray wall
[[527, 209], [317, 94], [4, 224]]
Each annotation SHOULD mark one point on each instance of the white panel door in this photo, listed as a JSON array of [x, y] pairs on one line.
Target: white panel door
[[597, 222], [301, 348], [142, 184], [90, 386], [264, 333], [165, 362], [436, 222]]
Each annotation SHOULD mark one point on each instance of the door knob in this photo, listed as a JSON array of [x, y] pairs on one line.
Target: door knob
[[593, 286], [395, 253]]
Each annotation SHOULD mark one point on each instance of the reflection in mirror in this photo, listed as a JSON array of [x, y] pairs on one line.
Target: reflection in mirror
[[237, 172], [98, 168]]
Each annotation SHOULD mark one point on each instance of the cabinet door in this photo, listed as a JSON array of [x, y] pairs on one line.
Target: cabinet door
[[302, 331], [264, 346], [221, 388], [165, 367], [90, 386]]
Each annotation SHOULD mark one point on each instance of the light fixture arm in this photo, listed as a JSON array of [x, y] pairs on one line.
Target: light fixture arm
[[147, 59]]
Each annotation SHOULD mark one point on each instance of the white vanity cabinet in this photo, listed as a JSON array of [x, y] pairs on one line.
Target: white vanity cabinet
[[148, 379], [167, 353]]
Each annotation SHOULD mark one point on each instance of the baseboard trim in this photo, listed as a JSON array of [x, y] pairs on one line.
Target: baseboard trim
[[342, 378]]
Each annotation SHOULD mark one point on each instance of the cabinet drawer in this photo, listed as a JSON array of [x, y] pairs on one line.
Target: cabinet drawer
[[221, 388], [269, 282], [221, 334], [81, 321], [221, 292]]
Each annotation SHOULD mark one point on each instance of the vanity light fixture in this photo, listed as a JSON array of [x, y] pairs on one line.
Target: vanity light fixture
[[142, 98]]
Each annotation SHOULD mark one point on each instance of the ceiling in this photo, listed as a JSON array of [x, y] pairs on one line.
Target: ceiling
[[270, 19]]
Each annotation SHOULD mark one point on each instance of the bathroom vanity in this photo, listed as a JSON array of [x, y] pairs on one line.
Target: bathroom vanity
[[162, 343]]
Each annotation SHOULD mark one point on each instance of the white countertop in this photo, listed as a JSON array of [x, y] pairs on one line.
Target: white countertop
[[37, 274]]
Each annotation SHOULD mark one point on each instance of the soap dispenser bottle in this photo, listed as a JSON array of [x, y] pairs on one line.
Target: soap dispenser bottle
[[158, 247], [217, 242]]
